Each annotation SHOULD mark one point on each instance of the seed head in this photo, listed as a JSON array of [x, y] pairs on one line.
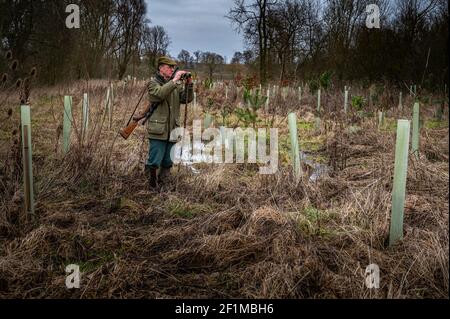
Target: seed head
[[14, 65], [8, 55], [4, 78]]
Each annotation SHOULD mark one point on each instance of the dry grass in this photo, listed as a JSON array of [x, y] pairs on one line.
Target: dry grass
[[225, 233]]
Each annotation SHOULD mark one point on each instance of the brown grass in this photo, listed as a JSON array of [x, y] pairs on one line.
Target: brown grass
[[225, 233]]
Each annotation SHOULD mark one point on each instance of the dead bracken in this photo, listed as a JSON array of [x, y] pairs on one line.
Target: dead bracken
[[226, 232]]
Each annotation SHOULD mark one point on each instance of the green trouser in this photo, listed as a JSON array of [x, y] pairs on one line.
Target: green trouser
[[159, 154]]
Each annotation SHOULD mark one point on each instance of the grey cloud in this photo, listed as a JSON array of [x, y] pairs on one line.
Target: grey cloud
[[196, 25]]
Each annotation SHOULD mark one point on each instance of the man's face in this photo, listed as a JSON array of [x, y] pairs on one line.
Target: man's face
[[166, 70]]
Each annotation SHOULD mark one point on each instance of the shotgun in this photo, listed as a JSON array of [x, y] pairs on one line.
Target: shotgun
[[132, 124]]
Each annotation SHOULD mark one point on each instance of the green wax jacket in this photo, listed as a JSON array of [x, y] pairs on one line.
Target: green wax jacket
[[169, 95]]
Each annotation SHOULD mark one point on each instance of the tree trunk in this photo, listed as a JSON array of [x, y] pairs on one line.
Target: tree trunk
[[122, 70]]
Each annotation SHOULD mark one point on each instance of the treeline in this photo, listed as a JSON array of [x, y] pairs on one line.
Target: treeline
[[114, 37], [287, 40], [301, 39]]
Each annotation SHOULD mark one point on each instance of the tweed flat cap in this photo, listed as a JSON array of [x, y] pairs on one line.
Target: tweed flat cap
[[166, 60]]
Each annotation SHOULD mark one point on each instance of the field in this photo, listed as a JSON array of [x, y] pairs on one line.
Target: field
[[223, 230]]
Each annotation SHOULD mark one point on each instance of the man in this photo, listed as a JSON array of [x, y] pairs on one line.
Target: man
[[168, 90]]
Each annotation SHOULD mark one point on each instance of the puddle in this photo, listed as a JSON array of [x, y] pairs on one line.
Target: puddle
[[188, 160]]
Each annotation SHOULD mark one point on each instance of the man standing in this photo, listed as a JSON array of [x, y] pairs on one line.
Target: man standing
[[166, 89]]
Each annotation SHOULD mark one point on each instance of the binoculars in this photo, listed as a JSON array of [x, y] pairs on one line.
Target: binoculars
[[186, 76]]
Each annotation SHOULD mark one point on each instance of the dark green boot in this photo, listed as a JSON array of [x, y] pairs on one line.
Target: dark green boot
[[164, 177], [151, 174]]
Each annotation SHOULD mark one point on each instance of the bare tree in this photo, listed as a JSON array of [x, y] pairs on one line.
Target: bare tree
[[237, 58], [185, 58], [248, 56], [286, 22], [342, 19], [413, 22], [212, 61], [155, 44], [252, 19], [289, 39], [197, 56], [98, 35], [130, 26]]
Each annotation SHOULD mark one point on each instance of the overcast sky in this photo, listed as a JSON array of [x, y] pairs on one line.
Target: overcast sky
[[196, 25]]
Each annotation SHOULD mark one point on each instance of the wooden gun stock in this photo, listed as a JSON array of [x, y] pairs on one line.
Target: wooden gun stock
[[126, 132]]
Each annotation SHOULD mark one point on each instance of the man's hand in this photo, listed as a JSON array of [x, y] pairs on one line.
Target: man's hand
[[178, 75]]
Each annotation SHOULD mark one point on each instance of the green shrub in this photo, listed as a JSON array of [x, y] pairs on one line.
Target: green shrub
[[253, 102], [358, 102]]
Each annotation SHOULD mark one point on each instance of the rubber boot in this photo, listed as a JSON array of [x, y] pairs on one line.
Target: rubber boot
[[152, 177], [164, 177]]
